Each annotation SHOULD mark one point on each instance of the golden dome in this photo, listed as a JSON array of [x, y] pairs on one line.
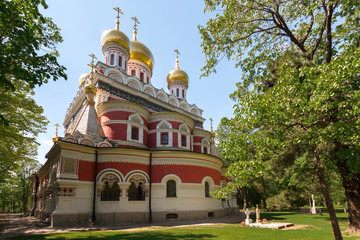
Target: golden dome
[[115, 36], [142, 53], [177, 75], [90, 88], [82, 78]]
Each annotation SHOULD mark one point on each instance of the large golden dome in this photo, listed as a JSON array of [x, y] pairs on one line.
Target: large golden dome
[[115, 36], [142, 53], [177, 75]]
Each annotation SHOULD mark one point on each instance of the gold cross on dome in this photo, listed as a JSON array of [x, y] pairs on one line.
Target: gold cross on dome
[[118, 10], [211, 120], [57, 128], [135, 22], [92, 62]]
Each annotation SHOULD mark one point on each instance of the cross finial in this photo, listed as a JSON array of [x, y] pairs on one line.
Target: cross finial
[[177, 58], [211, 121], [56, 134], [92, 64], [57, 128], [135, 25], [118, 10]]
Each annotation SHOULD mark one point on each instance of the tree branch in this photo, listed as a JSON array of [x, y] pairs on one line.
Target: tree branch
[[302, 41]]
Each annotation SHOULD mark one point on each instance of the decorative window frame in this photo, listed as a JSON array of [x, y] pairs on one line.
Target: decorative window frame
[[205, 142], [138, 124], [177, 180], [187, 134], [211, 183], [160, 130]]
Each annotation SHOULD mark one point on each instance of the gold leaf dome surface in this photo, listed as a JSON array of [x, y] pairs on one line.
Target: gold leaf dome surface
[[115, 36], [142, 53], [177, 75], [82, 78]]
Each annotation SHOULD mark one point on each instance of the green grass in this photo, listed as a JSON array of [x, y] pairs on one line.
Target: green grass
[[317, 227]]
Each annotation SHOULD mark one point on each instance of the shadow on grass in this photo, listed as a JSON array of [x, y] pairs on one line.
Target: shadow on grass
[[276, 215], [134, 236]]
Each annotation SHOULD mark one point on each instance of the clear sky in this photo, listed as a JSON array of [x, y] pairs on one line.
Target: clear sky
[[165, 25]]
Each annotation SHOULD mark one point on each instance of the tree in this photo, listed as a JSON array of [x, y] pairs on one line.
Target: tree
[[313, 104], [25, 122], [244, 168], [28, 58], [27, 46], [23, 180]]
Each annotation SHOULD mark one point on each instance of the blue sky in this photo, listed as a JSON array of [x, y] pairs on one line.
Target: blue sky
[[165, 25]]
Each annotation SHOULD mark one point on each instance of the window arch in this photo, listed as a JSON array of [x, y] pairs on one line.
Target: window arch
[[135, 128], [207, 189], [163, 134], [171, 188], [184, 136]]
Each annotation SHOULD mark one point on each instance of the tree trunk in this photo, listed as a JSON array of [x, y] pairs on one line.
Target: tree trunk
[[350, 182], [329, 204], [244, 196], [351, 185]]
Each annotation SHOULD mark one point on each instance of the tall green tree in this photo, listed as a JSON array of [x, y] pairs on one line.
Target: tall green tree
[[28, 58], [313, 104]]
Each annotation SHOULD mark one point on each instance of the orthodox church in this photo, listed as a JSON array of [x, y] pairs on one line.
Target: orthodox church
[[130, 152]]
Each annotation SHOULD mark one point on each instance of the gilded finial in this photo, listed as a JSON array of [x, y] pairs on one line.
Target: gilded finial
[[92, 65], [56, 134], [212, 131], [118, 17], [90, 88], [177, 58], [135, 25]]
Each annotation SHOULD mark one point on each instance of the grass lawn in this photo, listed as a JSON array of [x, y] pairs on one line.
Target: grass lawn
[[317, 227]]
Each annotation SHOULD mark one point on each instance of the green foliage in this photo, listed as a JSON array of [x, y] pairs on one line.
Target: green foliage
[[24, 123], [252, 33], [28, 40], [28, 58]]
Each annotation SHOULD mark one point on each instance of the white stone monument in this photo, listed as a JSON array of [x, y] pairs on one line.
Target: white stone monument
[[248, 220], [313, 208], [257, 213]]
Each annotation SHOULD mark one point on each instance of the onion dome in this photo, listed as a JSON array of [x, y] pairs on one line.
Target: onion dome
[[142, 53], [82, 78], [177, 75], [115, 36]]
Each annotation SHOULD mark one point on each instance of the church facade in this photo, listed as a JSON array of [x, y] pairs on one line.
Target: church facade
[[130, 152]]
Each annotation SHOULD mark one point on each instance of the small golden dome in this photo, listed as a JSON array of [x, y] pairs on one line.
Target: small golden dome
[[90, 88], [82, 78], [115, 36], [142, 53], [177, 75]]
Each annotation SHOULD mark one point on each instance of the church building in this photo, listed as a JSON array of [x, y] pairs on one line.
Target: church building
[[130, 152]]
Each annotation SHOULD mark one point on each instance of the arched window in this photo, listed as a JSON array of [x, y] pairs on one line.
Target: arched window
[[171, 188], [207, 190], [177, 92], [110, 193], [112, 59]]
